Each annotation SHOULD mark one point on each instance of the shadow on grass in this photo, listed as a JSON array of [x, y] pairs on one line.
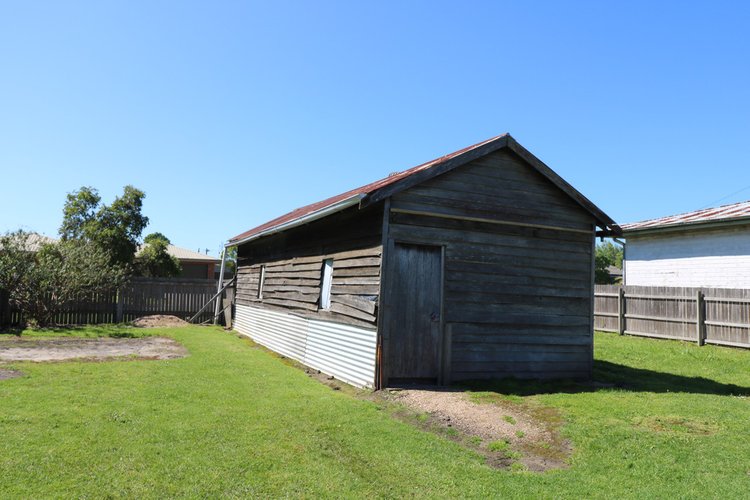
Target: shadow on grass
[[609, 375], [11, 331]]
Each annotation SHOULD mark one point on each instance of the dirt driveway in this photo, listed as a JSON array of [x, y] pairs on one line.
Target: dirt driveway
[[61, 349]]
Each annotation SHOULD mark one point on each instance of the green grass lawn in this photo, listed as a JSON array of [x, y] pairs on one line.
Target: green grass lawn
[[233, 420]]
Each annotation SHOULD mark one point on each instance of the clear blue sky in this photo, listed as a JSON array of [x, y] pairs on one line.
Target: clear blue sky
[[229, 113]]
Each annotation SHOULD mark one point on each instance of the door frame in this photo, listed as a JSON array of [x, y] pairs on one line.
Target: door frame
[[444, 348]]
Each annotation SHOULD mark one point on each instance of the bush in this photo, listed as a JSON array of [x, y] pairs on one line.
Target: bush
[[42, 281]]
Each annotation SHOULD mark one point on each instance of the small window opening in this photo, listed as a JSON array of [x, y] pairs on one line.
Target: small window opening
[[261, 279], [326, 281]]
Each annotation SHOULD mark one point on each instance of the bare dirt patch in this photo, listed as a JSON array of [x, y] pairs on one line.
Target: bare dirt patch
[[6, 374], [159, 320], [506, 432], [100, 349]]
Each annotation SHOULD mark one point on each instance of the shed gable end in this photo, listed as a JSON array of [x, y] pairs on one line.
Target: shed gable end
[[501, 187]]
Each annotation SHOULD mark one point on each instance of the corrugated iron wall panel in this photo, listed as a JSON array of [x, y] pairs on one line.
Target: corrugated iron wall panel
[[344, 351], [347, 352], [282, 333]]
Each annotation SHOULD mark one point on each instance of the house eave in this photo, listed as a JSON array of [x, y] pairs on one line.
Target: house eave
[[742, 221]]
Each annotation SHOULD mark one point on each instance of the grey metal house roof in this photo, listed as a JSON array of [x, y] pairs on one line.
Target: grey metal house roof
[[183, 254], [189, 255], [733, 213]]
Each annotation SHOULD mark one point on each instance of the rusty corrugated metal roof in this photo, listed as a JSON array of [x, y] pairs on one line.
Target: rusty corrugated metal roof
[[369, 192], [724, 213], [364, 190]]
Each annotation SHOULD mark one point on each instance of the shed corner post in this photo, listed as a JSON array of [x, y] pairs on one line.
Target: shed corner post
[[381, 379], [217, 309], [592, 302]]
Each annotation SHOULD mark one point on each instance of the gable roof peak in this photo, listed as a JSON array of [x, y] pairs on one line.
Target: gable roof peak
[[398, 181]]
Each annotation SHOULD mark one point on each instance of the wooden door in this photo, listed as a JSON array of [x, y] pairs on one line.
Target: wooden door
[[414, 333]]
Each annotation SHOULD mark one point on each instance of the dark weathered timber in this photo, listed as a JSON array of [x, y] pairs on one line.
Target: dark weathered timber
[[479, 268], [428, 174], [359, 271], [517, 293], [367, 290], [414, 319], [337, 307], [294, 260], [356, 302]]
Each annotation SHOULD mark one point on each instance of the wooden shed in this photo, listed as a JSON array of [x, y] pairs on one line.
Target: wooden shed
[[476, 265]]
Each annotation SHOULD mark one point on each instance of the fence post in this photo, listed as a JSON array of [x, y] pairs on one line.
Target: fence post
[[700, 318], [120, 305], [4, 309], [621, 311], [228, 300]]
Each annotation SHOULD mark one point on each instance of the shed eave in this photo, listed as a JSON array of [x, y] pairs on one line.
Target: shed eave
[[312, 216]]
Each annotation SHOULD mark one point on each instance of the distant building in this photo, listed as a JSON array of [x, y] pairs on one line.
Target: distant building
[[195, 265], [704, 248], [35, 241]]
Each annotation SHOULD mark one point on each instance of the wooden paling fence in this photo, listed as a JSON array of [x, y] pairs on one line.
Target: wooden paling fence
[[140, 297], [719, 316]]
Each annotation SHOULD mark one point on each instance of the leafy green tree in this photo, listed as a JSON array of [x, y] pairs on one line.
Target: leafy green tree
[[231, 261], [607, 254], [156, 236], [114, 228], [154, 260], [42, 282], [613, 253]]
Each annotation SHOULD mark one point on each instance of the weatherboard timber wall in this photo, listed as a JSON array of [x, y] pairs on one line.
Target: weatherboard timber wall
[[717, 258], [344, 351], [518, 280], [292, 264]]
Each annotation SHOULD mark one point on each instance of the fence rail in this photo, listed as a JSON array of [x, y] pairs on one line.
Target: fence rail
[[704, 315], [140, 297]]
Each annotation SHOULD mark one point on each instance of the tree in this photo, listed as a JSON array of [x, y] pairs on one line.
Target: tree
[[114, 228], [607, 254], [41, 283], [231, 261], [154, 260], [156, 236]]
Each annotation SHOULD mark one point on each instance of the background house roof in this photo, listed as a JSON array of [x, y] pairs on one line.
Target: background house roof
[[36, 240], [372, 192], [183, 254], [724, 213]]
